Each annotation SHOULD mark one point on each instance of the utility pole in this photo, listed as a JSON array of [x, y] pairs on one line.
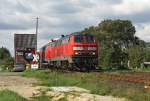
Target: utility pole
[[36, 32]]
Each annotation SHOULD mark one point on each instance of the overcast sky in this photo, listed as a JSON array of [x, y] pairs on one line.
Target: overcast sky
[[66, 16]]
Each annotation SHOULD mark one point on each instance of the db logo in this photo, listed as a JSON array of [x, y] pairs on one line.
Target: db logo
[[36, 57]]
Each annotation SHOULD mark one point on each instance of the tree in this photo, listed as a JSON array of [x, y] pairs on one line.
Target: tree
[[147, 54], [120, 32], [6, 61], [114, 38], [4, 53], [136, 56]]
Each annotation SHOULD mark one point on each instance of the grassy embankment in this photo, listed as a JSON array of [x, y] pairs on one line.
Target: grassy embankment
[[92, 82], [7, 95]]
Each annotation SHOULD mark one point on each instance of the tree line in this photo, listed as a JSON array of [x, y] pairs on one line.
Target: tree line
[[119, 48]]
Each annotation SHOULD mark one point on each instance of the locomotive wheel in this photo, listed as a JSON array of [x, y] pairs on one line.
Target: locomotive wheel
[[64, 65], [82, 69], [70, 66]]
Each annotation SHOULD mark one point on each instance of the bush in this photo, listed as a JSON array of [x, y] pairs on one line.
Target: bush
[[6, 61], [6, 64], [136, 56]]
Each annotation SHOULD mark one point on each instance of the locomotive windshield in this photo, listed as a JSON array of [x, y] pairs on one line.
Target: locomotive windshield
[[84, 38]]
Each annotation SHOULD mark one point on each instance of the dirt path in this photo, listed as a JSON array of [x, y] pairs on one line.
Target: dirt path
[[22, 85], [25, 87]]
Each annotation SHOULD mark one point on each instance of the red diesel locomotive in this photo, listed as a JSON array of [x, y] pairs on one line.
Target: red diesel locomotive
[[75, 51]]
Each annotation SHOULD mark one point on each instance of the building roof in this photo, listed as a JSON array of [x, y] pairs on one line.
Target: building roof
[[23, 41]]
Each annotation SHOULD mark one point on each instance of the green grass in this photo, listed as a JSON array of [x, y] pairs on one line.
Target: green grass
[[41, 98], [46, 98], [7, 95], [146, 69], [93, 82]]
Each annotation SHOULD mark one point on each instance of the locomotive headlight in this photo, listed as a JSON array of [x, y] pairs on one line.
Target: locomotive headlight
[[76, 53], [78, 48], [91, 48], [93, 53]]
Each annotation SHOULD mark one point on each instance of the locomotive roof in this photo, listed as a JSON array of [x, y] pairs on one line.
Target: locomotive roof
[[76, 33]]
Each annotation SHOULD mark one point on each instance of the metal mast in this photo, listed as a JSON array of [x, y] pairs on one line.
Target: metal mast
[[36, 32]]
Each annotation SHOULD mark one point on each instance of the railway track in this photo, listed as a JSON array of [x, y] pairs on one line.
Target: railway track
[[137, 77], [133, 77]]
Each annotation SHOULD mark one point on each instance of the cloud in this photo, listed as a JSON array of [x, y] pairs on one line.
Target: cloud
[[143, 32], [141, 17], [66, 16], [131, 6], [5, 26]]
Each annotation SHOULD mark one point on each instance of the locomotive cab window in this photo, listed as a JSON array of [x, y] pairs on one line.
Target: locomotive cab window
[[90, 38], [78, 38], [84, 38]]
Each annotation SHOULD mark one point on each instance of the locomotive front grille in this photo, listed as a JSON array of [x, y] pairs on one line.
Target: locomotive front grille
[[84, 60]]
